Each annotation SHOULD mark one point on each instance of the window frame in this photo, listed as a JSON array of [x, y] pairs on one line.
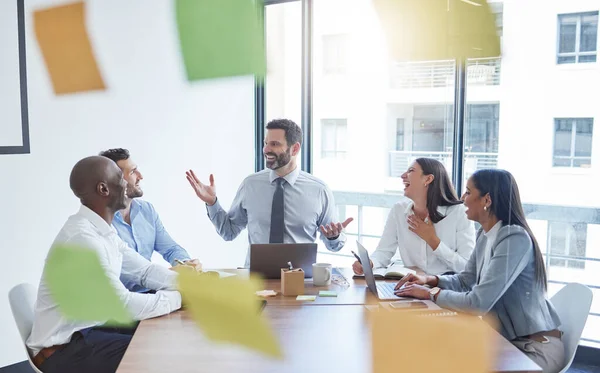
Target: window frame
[[571, 157], [577, 54]]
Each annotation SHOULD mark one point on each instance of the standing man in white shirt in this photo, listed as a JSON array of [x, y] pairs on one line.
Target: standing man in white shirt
[[61, 345]]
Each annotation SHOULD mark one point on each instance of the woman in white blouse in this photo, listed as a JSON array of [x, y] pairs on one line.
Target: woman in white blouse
[[429, 227]]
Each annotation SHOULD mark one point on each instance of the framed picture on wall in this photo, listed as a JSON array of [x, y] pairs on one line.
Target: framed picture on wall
[[14, 122]]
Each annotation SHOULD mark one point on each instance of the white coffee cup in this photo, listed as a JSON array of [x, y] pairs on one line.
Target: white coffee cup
[[321, 274]]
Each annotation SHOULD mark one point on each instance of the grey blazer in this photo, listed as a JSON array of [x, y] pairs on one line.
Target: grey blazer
[[506, 291]]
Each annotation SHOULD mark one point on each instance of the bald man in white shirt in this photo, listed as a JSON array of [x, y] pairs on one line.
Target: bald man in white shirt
[[61, 345]]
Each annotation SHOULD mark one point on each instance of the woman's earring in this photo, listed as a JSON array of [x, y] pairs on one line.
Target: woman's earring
[[484, 208]]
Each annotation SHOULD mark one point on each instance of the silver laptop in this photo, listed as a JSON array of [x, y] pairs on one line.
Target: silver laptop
[[382, 290], [268, 259]]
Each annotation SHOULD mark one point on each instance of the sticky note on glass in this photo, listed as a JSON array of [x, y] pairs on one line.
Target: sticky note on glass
[[63, 39], [327, 293], [81, 288], [438, 29], [221, 38], [228, 311], [467, 341], [309, 298]]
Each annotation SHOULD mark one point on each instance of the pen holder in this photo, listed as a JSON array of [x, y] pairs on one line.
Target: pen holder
[[292, 282]]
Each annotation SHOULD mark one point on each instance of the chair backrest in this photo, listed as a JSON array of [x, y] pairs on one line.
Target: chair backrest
[[22, 302], [572, 303]]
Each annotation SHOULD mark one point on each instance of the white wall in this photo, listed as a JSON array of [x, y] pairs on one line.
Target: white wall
[[170, 125]]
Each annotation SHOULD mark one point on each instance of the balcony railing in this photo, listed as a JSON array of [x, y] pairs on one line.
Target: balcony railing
[[400, 160], [439, 74]]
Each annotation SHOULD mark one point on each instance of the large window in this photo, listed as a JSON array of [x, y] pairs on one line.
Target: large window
[[573, 142], [577, 37], [515, 118]]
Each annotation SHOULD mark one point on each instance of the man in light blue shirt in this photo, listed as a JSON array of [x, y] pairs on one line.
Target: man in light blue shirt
[[138, 224], [280, 204]]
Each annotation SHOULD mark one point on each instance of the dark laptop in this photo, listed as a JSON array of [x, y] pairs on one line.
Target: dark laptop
[[268, 259]]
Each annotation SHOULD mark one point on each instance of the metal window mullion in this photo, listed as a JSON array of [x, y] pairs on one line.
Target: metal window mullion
[[260, 106], [549, 242], [459, 119], [306, 108], [573, 136], [578, 37], [360, 223]]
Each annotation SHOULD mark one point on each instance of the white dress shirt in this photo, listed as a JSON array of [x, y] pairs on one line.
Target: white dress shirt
[[490, 236], [455, 231], [88, 230]]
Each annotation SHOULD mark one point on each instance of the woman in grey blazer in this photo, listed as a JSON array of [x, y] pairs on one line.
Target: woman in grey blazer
[[505, 277]]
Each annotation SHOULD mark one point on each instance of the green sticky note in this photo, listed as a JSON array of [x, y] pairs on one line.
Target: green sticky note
[[221, 38], [227, 310], [81, 288], [327, 293], [310, 298]]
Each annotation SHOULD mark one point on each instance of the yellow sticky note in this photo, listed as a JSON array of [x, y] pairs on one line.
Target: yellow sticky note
[[81, 288], [438, 29], [227, 310], [465, 343], [309, 298], [67, 51]]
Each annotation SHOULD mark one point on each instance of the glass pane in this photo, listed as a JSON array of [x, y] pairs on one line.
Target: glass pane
[[589, 33], [583, 162], [583, 138], [563, 137], [283, 28], [481, 128], [583, 59], [382, 100], [561, 162], [567, 34], [570, 59], [567, 239]]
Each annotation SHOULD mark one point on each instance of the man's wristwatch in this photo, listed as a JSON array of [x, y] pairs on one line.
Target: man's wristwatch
[[433, 292]]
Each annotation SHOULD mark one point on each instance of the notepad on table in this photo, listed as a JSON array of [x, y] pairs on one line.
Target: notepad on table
[[393, 272], [311, 298]]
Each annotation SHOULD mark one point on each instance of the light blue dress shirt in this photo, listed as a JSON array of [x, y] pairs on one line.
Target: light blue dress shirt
[[308, 204], [146, 234]]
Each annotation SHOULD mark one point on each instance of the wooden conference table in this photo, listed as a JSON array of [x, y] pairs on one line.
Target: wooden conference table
[[328, 335]]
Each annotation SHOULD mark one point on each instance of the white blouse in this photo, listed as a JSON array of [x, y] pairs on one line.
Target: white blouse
[[455, 231]]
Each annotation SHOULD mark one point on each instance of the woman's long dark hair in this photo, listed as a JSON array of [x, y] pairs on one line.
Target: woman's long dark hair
[[506, 206], [441, 191]]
